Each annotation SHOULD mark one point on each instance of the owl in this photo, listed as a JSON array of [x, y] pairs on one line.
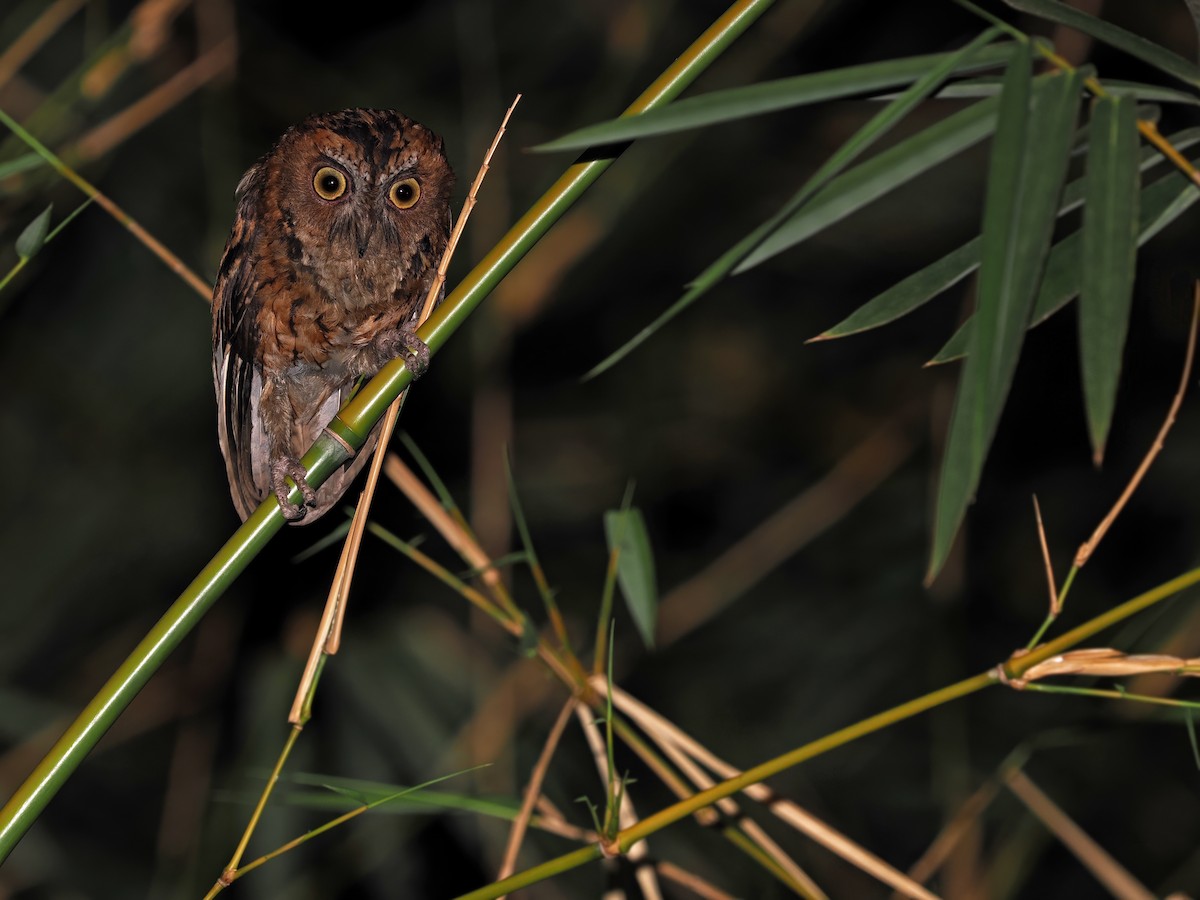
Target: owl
[[336, 240]]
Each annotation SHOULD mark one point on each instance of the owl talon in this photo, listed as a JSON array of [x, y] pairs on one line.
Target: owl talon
[[404, 342], [289, 467], [418, 359]]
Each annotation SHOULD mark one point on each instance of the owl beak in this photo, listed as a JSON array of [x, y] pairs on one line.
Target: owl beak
[[364, 236]]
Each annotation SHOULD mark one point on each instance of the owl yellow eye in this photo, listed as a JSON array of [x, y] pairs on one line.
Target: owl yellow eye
[[329, 183], [405, 193]]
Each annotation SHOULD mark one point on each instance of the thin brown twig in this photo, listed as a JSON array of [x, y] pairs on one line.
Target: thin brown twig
[[117, 129], [152, 243], [534, 789], [329, 634], [663, 730], [476, 598], [952, 832], [357, 526], [459, 539], [1110, 873], [667, 741], [1055, 604], [468, 205], [1089, 546], [701, 780], [40, 30], [297, 715], [556, 824], [691, 881], [151, 24]]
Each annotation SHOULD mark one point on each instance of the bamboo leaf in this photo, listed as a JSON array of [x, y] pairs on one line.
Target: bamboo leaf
[[21, 164], [1028, 167], [407, 800], [1160, 204], [1135, 45], [627, 536], [1149, 93], [772, 96], [31, 239], [1110, 234], [923, 285], [987, 86], [867, 182], [910, 293], [875, 128]]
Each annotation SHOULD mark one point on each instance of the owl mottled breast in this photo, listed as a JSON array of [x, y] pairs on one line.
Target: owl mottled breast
[[335, 244]]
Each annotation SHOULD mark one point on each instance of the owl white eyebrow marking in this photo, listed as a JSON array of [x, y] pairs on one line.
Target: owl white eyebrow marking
[[407, 165], [342, 162]]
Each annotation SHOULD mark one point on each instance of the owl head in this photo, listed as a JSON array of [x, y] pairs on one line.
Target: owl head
[[361, 196]]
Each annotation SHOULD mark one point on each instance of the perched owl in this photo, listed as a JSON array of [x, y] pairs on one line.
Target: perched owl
[[335, 244]]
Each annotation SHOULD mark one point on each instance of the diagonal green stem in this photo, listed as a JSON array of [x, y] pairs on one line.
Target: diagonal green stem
[[689, 805], [352, 425]]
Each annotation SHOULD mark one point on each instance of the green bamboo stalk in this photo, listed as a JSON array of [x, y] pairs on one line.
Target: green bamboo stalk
[[352, 425], [1012, 669], [194, 281]]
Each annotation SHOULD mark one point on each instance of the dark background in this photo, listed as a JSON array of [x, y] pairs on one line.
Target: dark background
[[116, 494]]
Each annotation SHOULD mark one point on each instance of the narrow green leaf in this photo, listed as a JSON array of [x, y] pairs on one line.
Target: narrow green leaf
[[431, 474], [925, 284], [872, 179], [31, 239], [406, 800], [68, 220], [334, 537], [1161, 204], [1135, 45], [987, 86], [1029, 162], [535, 567], [910, 293], [21, 164], [627, 535], [1191, 730], [1149, 93], [875, 128], [772, 96], [357, 796], [1110, 233], [24, 260]]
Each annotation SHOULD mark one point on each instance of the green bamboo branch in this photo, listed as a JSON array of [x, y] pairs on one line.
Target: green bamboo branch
[[1112, 694], [24, 258], [1014, 668], [232, 873], [352, 425], [194, 281]]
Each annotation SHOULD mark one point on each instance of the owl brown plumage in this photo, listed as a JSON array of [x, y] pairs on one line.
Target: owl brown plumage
[[338, 234]]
